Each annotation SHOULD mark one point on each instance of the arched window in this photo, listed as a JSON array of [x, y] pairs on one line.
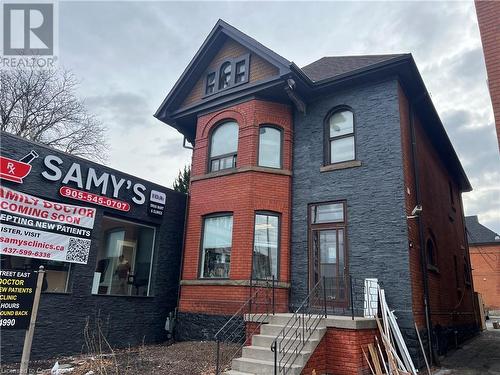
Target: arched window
[[340, 131], [225, 75], [224, 146], [430, 248], [270, 144]]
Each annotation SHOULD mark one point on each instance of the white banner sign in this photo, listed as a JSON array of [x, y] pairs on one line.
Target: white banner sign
[[36, 228]]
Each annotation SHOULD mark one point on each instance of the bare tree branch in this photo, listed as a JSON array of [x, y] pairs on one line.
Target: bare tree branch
[[41, 105]]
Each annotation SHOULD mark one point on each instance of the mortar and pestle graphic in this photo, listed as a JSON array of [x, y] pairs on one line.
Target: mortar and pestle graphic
[[16, 170]]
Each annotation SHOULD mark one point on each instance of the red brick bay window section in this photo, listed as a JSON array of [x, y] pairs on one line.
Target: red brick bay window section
[[216, 246]]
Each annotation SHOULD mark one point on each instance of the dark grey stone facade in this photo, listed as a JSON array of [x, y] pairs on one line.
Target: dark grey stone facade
[[377, 239], [125, 320]]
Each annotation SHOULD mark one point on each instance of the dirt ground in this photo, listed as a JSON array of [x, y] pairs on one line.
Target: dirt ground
[[186, 358]]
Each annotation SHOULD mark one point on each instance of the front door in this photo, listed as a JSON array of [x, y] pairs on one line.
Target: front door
[[327, 249]]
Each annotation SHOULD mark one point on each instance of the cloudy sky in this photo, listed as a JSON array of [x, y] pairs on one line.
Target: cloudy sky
[[128, 55]]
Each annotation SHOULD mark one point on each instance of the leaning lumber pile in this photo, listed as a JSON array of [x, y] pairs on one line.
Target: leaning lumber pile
[[389, 355]]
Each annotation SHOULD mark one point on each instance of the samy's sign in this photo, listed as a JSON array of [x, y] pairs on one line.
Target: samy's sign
[[37, 228], [109, 186]]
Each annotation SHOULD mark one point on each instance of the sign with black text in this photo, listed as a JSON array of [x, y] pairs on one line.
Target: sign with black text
[[17, 290], [37, 228], [157, 201]]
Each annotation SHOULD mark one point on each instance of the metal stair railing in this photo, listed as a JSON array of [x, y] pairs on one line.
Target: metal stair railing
[[296, 333], [259, 306]]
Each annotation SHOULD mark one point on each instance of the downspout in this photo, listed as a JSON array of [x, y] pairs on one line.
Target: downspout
[[423, 258], [186, 215]]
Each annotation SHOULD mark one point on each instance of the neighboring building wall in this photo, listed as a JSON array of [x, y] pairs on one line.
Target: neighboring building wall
[[124, 320], [450, 299], [488, 16], [242, 191], [485, 260], [374, 192]]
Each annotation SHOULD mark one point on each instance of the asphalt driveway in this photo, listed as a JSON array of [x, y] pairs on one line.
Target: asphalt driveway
[[479, 356]]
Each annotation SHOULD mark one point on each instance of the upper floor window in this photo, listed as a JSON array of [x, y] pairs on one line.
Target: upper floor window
[[340, 130], [431, 253], [216, 246], [210, 89], [240, 72], [467, 272], [225, 75], [270, 152], [231, 72], [224, 146]]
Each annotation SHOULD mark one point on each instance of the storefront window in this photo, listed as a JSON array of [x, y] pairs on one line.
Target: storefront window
[[216, 248], [124, 259], [265, 248], [56, 278]]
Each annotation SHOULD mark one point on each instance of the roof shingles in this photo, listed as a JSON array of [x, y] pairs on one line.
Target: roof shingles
[[478, 233], [332, 66]]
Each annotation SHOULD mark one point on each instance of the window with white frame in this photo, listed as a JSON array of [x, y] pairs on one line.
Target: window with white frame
[[266, 245], [216, 246], [341, 140], [224, 146]]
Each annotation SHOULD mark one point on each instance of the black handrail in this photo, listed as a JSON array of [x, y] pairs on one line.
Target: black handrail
[[297, 331], [234, 330]]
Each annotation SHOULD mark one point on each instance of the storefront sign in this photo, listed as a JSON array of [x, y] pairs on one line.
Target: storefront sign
[[101, 200], [87, 179], [17, 290], [15, 170], [157, 201], [36, 228]]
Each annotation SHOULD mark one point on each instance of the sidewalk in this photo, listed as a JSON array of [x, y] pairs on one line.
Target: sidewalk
[[479, 356]]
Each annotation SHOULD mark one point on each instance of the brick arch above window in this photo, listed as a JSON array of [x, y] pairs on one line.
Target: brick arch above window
[[217, 118]]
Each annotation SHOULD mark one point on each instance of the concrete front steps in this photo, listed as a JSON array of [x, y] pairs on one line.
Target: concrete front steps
[[258, 359]]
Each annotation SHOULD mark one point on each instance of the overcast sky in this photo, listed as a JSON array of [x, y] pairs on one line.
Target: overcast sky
[[128, 55]]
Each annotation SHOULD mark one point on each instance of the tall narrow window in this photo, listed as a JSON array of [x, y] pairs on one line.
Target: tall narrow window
[[224, 146], [240, 74], [467, 272], [225, 75], [341, 137], [270, 147], [216, 246], [210, 88], [265, 247], [431, 253]]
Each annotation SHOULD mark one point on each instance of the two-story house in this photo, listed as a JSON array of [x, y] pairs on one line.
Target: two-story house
[[338, 168]]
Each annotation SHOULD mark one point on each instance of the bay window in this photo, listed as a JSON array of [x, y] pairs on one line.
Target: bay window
[[216, 246], [266, 245]]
